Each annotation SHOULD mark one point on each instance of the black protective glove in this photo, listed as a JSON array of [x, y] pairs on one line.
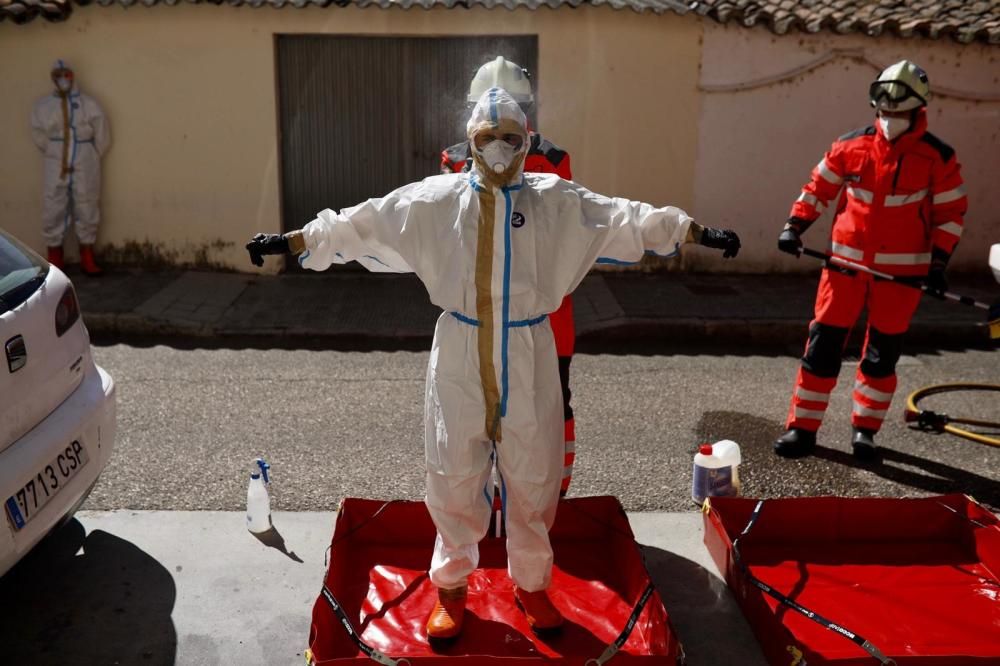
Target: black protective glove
[[721, 239], [790, 241], [935, 281], [262, 244]]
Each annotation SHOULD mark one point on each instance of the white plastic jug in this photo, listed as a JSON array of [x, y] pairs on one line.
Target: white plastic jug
[[716, 471], [258, 500]]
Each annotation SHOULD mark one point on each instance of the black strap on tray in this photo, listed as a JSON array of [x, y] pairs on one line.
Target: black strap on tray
[[372, 653], [612, 649], [863, 643]]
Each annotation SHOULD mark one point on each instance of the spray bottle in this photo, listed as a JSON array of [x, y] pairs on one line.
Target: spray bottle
[[258, 501]]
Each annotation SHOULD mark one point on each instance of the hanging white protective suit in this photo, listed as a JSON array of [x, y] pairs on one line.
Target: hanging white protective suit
[[72, 132], [497, 252]]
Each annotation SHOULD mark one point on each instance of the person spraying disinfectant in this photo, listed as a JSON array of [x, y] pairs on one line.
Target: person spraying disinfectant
[[258, 500]]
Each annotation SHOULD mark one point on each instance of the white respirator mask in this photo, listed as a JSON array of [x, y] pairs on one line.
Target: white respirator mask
[[498, 155], [64, 84], [893, 127]]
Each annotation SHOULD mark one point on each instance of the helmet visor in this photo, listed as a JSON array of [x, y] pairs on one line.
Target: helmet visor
[[891, 94]]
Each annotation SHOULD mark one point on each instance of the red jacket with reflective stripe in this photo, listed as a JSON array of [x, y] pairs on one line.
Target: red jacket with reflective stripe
[[543, 157], [896, 201]]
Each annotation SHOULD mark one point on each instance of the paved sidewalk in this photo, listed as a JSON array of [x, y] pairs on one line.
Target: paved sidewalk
[[195, 588], [344, 309]]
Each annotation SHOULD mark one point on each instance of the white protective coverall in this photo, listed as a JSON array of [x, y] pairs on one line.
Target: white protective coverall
[[497, 258], [72, 132]]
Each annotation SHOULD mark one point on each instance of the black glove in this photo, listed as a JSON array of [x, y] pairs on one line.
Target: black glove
[[790, 241], [262, 244], [936, 282], [721, 239]]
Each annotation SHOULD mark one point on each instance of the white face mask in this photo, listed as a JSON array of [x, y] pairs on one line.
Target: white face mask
[[893, 127], [498, 155], [63, 84]]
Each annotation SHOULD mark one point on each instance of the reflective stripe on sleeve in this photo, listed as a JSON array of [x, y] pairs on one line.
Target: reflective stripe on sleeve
[[902, 259], [953, 228], [812, 200], [861, 195], [905, 199], [827, 173], [869, 392], [949, 196], [847, 251]]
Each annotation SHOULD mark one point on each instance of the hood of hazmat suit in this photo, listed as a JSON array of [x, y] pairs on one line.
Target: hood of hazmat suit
[[497, 251], [498, 137]]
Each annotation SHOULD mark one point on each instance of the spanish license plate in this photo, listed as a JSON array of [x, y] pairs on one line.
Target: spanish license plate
[[25, 504]]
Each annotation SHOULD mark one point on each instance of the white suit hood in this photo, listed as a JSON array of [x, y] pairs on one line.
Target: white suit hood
[[497, 111], [62, 64]]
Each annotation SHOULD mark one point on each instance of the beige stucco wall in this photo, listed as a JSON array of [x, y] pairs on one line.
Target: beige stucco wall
[[757, 146], [190, 93]]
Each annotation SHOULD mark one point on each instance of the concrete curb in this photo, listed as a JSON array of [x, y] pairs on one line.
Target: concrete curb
[[607, 335]]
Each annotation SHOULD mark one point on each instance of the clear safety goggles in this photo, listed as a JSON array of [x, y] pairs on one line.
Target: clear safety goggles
[[62, 74], [890, 94], [487, 137]]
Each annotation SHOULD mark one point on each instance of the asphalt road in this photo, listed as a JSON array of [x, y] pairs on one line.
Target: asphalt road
[[336, 424]]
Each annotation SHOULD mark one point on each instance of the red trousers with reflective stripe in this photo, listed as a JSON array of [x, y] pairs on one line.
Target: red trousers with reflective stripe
[[564, 331], [839, 302]]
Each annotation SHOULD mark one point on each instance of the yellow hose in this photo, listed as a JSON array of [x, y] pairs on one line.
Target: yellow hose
[[943, 422]]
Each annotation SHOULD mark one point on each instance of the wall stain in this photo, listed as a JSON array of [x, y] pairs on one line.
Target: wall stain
[[162, 256]]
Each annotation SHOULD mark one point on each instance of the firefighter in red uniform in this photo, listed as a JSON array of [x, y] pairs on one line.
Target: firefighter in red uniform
[[542, 157], [900, 208]]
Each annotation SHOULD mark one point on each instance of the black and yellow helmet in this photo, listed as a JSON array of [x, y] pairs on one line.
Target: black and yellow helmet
[[900, 87]]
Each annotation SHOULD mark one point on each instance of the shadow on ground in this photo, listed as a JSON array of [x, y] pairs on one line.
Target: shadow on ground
[[923, 474], [87, 599], [701, 609]]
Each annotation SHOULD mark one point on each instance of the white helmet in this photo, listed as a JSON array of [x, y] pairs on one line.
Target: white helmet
[[502, 73], [900, 87]]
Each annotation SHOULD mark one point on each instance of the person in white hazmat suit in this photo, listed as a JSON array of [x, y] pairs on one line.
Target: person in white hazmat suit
[[497, 250], [71, 131]]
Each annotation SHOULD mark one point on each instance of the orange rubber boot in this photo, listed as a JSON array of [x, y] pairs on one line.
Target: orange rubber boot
[[87, 263], [56, 256], [446, 618], [538, 608]]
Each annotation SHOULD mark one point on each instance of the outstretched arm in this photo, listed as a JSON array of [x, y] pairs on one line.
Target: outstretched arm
[[373, 233], [634, 229]]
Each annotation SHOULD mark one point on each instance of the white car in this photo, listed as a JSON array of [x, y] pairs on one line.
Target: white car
[[57, 407]]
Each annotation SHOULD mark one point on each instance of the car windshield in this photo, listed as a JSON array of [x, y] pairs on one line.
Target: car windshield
[[21, 272]]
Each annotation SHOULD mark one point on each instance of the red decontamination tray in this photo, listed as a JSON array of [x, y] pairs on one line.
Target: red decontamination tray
[[378, 576], [904, 581]]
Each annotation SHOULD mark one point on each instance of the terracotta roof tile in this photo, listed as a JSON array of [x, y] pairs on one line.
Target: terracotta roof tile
[[963, 20], [22, 11]]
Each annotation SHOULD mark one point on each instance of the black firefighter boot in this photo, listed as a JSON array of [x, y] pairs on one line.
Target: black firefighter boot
[[863, 443], [795, 443]]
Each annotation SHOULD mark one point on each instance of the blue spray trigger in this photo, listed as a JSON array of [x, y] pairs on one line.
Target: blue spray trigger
[[263, 469]]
